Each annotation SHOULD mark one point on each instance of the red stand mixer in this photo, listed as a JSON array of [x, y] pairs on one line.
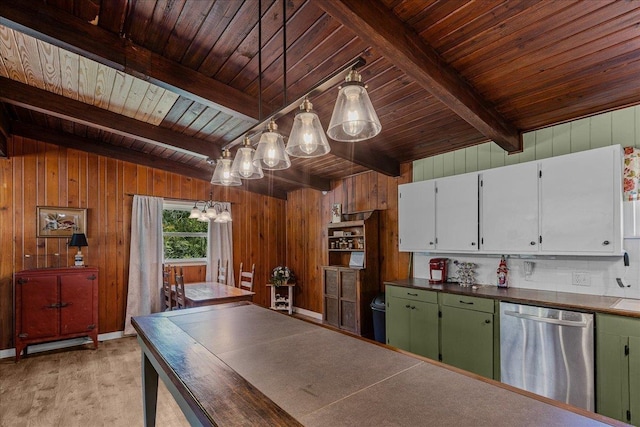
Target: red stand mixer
[[438, 270]]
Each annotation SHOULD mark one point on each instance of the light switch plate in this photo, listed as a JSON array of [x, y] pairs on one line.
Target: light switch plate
[[581, 278]]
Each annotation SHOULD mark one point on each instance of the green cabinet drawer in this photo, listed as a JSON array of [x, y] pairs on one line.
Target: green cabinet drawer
[[485, 305], [411, 294]]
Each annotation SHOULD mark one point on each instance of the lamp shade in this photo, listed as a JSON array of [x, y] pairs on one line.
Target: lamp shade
[[222, 174], [79, 240], [353, 118], [243, 166], [307, 138], [270, 154]]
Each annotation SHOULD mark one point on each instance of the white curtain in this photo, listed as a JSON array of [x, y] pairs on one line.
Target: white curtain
[[220, 247], [145, 262]]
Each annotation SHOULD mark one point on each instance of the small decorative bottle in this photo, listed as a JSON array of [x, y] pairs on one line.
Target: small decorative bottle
[[503, 281]]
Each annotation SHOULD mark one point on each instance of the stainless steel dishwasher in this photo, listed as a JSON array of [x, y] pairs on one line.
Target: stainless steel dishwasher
[[548, 352]]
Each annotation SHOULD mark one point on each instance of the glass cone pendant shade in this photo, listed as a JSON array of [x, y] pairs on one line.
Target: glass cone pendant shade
[[243, 166], [270, 154], [307, 137], [353, 118], [222, 174]]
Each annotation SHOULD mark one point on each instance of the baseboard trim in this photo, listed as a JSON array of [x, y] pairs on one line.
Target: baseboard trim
[[309, 313], [55, 345]]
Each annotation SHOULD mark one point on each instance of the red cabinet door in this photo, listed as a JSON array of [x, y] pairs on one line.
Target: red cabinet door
[[39, 314], [76, 303]]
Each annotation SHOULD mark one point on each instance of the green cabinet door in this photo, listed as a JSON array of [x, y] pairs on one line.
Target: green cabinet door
[[634, 379], [424, 329], [467, 340], [398, 319], [618, 367]]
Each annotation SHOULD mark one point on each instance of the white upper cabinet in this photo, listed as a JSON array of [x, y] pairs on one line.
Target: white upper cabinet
[[417, 216], [580, 203], [457, 213], [509, 209], [565, 205]]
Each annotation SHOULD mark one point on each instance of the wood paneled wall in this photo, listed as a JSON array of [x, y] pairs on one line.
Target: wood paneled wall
[[308, 213], [39, 174]]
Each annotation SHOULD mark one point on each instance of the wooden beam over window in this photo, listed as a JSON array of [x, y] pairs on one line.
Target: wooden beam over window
[[35, 99], [90, 145], [379, 27]]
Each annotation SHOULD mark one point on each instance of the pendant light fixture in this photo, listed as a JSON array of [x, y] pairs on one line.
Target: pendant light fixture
[[307, 138], [222, 174], [270, 154], [243, 166], [353, 118]]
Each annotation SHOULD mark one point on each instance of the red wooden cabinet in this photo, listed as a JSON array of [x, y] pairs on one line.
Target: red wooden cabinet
[[55, 304]]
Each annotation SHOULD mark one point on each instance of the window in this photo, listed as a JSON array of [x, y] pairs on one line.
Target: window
[[184, 239]]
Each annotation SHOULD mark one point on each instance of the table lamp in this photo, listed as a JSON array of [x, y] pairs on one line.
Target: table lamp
[[79, 240]]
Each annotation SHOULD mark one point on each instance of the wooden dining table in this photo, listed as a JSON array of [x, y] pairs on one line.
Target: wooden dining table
[[210, 293]]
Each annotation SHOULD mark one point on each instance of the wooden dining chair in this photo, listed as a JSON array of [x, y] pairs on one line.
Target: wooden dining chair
[[166, 288], [181, 299], [223, 269], [245, 278]]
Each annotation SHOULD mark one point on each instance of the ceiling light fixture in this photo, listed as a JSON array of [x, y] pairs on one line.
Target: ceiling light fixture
[[353, 118], [210, 211], [307, 137], [222, 174], [243, 166], [270, 154]]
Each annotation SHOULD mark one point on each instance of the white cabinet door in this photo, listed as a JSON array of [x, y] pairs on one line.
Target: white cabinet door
[[417, 216], [580, 203], [457, 213], [509, 209]]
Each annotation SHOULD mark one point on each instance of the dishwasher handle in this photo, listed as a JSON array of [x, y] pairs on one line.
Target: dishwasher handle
[[545, 319]]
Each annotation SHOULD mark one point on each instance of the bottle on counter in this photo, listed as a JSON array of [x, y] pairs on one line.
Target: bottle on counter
[[503, 270]]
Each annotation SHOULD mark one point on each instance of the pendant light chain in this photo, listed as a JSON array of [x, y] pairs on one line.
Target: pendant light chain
[[284, 49]]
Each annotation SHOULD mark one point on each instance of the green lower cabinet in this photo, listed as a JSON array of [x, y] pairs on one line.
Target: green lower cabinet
[[411, 324], [467, 340], [618, 367]]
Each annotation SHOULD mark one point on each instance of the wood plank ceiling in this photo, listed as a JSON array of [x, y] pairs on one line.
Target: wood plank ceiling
[[168, 83]]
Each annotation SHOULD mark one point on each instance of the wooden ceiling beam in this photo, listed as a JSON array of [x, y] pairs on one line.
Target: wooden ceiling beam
[[64, 30], [379, 27], [28, 130], [35, 99]]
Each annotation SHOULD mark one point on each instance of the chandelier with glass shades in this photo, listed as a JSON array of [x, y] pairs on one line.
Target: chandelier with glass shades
[[353, 119], [207, 211]]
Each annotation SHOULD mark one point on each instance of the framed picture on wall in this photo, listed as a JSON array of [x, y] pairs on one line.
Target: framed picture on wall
[[336, 212], [60, 222]]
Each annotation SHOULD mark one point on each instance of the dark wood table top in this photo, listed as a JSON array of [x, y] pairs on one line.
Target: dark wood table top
[[209, 293], [242, 364]]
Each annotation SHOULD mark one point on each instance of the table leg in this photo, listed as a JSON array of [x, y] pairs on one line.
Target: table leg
[[290, 299], [149, 391]]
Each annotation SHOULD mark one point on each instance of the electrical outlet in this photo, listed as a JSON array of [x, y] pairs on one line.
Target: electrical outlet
[[581, 278]]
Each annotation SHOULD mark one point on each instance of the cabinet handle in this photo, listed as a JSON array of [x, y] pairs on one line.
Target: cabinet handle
[[52, 306], [64, 304], [413, 307], [487, 321], [407, 306], [605, 243], [532, 243], [431, 243], [22, 280], [413, 295], [464, 302], [473, 243]]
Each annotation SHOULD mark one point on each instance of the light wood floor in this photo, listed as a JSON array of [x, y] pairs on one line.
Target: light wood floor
[[80, 387]]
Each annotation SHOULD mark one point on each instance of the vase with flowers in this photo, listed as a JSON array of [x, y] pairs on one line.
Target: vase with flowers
[[281, 276]]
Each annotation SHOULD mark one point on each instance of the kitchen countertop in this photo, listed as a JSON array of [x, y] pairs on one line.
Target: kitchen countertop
[[563, 300]]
